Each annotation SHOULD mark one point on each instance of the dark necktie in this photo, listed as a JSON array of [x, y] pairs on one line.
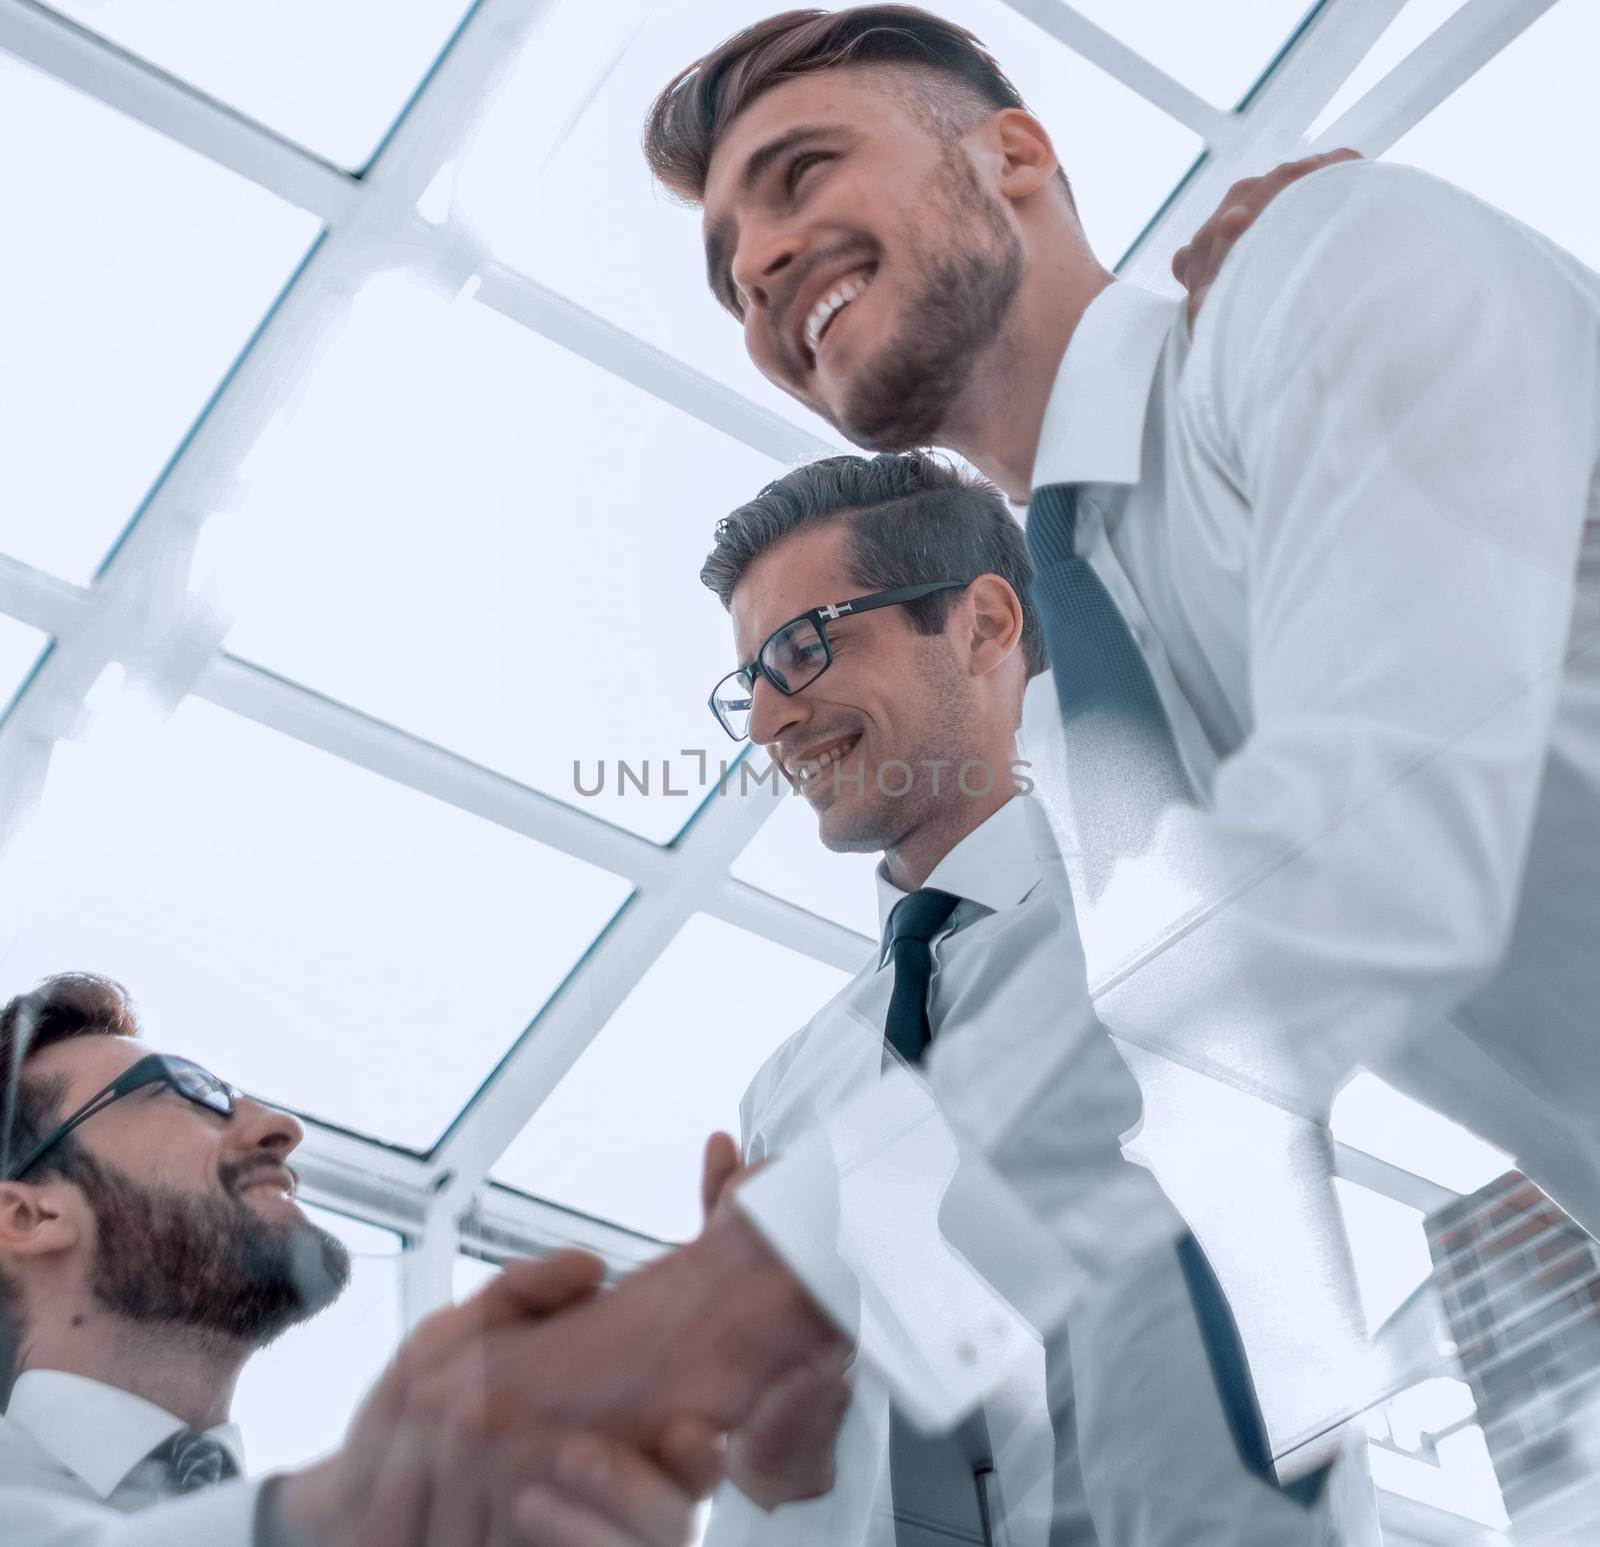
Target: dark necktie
[[937, 1481], [194, 1461], [1123, 770], [1122, 763], [916, 919]]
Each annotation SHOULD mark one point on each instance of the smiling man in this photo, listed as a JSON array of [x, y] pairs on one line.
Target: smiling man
[[150, 1244], [1320, 581], [880, 607]]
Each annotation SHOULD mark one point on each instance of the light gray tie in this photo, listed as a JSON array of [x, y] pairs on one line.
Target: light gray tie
[[194, 1461]]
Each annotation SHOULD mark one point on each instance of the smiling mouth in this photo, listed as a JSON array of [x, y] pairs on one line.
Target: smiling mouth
[[823, 315], [810, 769]]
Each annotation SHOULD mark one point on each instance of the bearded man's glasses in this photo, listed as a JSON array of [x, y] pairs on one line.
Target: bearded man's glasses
[[186, 1079]]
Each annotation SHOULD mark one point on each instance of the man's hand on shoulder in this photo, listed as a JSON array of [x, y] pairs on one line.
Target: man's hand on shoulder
[[1196, 264]]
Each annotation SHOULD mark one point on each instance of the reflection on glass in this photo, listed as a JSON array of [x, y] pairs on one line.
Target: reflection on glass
[[1192, 43], [296, 1397], [787, 859], [333, 77], [1506, 135], [19, 649], [109, 362], [557, 183], [314, 934], [621, 1136], [475, 535]]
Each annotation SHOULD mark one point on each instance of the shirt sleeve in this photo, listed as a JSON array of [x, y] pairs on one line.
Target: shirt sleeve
[[1401, 384], [223, 1516]]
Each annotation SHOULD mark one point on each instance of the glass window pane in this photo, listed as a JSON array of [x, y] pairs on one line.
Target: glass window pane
[[1390, 1246], [787, 859], [1417, 22], [1218, 56], [332, 77], [621, 1136], [296, 1397], [318, 935], [1507, 134], [472, 533], [1372, 1116], [144, 270], [470, 1274], [19, 649], [557, 183]]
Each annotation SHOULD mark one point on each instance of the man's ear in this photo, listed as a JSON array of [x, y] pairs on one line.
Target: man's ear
[[1017, 150], [996, 623], [38, 1220]]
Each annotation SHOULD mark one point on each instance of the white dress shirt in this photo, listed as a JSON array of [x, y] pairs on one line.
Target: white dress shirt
[[1354, 527], [1021, 1068], [75, 1471]]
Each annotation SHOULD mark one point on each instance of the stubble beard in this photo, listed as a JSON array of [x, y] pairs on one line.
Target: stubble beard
[[205, 1262], [905, 397]]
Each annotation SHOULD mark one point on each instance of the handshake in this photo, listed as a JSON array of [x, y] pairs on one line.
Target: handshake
[[547, 1411]]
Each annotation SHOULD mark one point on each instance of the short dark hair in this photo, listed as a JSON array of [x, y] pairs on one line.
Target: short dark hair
[[60, 1009], [911, 517], [694, 109]]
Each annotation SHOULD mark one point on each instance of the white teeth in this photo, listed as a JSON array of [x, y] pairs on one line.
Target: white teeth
[[822, 313], [813, 767]]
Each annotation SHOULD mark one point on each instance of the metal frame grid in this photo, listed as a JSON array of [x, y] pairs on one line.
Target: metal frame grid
[[140, 611]]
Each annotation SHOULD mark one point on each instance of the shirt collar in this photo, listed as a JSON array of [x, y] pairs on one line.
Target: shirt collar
[[1093, 428], [994, 865], [101, 1432]]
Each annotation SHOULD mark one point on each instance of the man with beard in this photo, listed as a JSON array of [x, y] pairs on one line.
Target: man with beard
[[149, 1245], [1321, 585], [896, 722]]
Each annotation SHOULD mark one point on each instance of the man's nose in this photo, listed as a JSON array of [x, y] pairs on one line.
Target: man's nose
[[764, 252], [774, 715], [258, 1127]]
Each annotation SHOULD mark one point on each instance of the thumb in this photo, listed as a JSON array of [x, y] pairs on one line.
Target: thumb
[[722, 1163]]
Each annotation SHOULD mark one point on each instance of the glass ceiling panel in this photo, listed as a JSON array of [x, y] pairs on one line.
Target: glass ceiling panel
[[1511, 134], [332, 77], [1373, 1116], [621, 1136], [337, 1354], [143, 272], [320, 936], [1415, 24], [557, 183], [1220, 58], [19, 649], [787, 859], [470, 532]]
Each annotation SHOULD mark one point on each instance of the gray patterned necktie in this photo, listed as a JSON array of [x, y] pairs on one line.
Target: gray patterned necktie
[[194, 1461], [1122, 763]]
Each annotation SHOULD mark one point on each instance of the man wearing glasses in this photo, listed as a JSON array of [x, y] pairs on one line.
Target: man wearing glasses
[[878, 606], [150, 1243]]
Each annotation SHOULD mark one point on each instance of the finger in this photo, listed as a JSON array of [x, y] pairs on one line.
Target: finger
[[542, 1517], [721, 1162], [393, 1511], [616, 1481], [536, 1286], [693, 1454]]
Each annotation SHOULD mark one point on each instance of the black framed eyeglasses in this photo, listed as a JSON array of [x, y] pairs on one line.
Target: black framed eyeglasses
[[796, 654], [187, 1079]]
